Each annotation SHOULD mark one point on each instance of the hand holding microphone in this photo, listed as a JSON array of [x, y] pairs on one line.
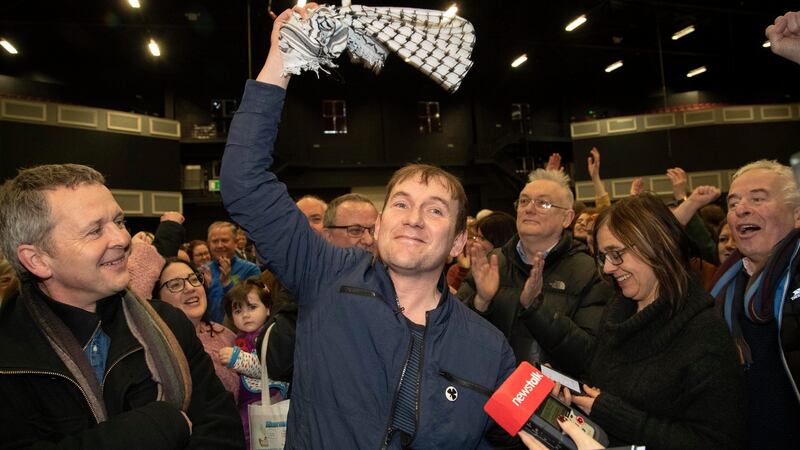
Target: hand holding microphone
[[523, 401]]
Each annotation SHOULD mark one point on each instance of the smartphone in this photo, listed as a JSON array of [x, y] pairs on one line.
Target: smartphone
[[573, 384], [544, 425]]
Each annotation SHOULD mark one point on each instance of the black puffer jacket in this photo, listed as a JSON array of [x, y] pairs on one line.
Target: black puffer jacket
[[666, 381], [43, 407], [572, 286]]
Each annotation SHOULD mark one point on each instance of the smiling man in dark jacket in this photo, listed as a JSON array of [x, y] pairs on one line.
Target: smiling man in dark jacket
[[385, 356], [84, 363]]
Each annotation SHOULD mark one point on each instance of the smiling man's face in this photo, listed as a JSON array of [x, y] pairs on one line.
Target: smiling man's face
[[416, 231], [758, 214]]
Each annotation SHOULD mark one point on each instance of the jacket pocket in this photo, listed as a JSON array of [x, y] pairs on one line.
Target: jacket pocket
[[466, 383], [360, 292]]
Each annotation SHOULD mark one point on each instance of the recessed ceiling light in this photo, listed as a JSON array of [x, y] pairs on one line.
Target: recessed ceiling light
[[695, 72], [580, 20], [683, 32], [154, 49], [8, 47], [134, 4], [614, 66], [518, 62]]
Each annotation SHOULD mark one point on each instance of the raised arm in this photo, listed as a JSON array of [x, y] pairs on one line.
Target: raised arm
[[593, 164], [252, 194]]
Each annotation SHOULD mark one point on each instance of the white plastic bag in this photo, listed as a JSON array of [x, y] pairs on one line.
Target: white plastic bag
[[267, 417]]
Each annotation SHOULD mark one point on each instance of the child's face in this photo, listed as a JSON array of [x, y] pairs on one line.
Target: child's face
[[250, 316]]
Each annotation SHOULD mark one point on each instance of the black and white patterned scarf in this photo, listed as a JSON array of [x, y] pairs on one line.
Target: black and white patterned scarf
[[438, 45]]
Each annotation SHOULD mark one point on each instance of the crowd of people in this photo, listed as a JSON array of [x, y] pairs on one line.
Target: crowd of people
[[390, 328]]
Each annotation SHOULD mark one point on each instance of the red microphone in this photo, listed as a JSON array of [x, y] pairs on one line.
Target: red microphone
[[515, 401]]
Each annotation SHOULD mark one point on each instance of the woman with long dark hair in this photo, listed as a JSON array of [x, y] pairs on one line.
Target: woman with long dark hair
[[663, 362], [181, 285]]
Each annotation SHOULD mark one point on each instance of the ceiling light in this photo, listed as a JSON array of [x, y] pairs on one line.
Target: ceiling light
[[683, 32], [153, 46], [451, 11], [614, 66], [518, 62], [766, 44], [695, 72], [135, 4], [576, 23], [8, 47]]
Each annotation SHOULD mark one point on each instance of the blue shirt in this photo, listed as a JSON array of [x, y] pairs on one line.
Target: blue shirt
[[240, 270]]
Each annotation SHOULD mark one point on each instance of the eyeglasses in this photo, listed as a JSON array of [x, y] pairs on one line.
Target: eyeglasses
[[354, 231], [177, 285], [614, 256], [537, 202]]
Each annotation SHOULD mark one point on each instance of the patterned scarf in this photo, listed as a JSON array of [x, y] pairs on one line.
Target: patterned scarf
[[438, 45], [763, 298], [163, 354]]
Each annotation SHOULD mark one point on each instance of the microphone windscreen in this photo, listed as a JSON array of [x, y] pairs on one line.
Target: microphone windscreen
[[515, 401]]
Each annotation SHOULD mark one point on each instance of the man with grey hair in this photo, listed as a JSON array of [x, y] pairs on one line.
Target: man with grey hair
[[225, 269], [758, 289], [84, 363], [499, 286], [314, 209], [349, 221]]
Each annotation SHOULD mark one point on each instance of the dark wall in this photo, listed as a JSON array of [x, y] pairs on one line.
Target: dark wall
[[127, 161], [694, 149]]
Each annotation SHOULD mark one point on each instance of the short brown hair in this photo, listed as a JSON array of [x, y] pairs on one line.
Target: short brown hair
[[24, 210], [426, 172], [645, 225]]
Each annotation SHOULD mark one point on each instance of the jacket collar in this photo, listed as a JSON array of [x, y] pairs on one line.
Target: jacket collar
[[436, 317], [564, 246], [24, 347]]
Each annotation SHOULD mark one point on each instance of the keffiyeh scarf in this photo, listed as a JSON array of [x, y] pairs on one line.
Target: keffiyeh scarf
[[437, 44]]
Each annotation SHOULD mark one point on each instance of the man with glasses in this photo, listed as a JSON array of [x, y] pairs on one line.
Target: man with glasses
[[84, 363], [499, 286], [350, 222]]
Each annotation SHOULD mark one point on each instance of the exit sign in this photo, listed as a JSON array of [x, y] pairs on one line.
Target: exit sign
[[213, 185]]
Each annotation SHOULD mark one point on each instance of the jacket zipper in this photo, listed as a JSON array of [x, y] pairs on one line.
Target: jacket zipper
[[99, 323], [465, 383], [387, 436], [55, 374], [360, 291], [125, 355], [419, 374]]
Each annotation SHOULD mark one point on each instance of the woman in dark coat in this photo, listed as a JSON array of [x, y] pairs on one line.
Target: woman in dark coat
[[663, 362]]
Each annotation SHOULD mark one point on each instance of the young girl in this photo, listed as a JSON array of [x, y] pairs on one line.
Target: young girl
[[248, 305]]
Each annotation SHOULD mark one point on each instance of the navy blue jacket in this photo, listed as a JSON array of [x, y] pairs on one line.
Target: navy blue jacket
[[352, 341]]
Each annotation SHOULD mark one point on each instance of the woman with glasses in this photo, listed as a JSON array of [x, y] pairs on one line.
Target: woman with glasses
[[663, 364], [181, 285]]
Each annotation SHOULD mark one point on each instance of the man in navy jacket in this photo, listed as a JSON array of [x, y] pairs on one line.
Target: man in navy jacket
[[385, 356]]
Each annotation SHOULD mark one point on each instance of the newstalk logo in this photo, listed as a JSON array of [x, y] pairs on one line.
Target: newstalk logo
[[518, 397], [529, 386]]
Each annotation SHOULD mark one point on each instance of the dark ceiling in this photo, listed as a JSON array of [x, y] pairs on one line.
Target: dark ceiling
[[94, 51]]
